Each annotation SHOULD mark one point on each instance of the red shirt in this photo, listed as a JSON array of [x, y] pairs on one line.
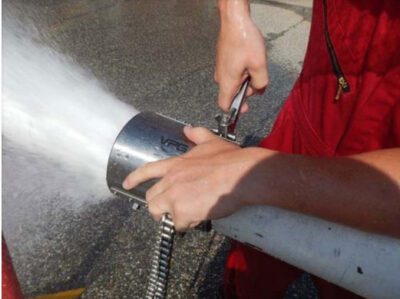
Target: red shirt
[[366, 39]]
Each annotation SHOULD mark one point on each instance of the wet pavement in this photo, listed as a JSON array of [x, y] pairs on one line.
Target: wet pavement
[[158, 56]]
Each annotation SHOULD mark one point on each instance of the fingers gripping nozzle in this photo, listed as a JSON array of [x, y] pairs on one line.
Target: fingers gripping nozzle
[[147, 137]]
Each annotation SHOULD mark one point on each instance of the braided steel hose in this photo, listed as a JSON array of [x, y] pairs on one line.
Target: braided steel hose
[[158, 278]]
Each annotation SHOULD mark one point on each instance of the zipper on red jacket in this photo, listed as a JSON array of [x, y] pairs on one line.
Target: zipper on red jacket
[[342, 83]]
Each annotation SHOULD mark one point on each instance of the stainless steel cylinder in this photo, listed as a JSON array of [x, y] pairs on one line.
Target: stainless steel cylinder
[[145, 138]]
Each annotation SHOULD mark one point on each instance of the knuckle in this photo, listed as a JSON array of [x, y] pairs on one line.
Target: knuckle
[[153, 210], [194, 224], [179, 226], [172, 176], [156, 218], [180, 209], [179, 170], [260, 84]]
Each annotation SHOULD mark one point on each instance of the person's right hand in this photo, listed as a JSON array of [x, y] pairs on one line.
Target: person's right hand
[[240, 53]]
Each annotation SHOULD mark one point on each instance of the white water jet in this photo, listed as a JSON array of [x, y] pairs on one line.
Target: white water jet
[[59, 125], [58, 117]]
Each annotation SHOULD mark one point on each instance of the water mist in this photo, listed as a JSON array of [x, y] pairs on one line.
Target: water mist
[[59, 125]]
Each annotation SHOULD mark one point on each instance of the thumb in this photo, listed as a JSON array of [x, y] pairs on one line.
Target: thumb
[[259, 79], [198, 135]]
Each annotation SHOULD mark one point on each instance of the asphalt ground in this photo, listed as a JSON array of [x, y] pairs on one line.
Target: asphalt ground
[[157, 56]]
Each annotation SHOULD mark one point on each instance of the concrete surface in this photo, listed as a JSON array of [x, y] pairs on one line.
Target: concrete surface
[[159, 56]]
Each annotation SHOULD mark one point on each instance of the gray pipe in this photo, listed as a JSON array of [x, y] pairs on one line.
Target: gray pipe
[[366, 264]]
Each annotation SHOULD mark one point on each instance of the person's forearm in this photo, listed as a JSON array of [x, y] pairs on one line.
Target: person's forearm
[[232, 8], [362, 191]]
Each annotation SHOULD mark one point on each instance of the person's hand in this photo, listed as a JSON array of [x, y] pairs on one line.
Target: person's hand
[[240, 53], [198, 185]]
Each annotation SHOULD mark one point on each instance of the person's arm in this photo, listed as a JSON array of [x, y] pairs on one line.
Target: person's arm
[[240, 53], [361, 191], [217, 178]]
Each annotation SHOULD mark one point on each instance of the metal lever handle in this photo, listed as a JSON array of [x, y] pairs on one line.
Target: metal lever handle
[[237, 105], [227, 121]]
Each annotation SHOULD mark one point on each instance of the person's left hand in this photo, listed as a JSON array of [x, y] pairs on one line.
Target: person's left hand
[[198, 185]]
